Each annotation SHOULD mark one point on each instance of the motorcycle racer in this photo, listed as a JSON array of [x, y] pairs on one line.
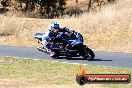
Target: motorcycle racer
[[55, 31]]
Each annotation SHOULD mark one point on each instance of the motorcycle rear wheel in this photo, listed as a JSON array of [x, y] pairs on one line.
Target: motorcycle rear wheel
[[88, 54]]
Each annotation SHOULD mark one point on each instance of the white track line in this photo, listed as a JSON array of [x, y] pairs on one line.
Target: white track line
[[63, 62], [35, 59]]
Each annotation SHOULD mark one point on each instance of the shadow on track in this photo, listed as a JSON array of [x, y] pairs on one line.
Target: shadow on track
[[80, 58], [101, 60]]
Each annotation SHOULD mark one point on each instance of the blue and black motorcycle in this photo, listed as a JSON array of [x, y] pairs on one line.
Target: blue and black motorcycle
[[61, 46]]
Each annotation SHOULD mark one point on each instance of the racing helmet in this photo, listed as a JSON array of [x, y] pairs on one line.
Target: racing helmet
[[55, 26]]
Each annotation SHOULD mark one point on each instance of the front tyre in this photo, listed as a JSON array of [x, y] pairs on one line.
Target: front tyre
[[88, 53], [53, 54]]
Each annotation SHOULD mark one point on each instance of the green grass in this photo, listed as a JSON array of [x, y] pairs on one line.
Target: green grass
[[40, 71]]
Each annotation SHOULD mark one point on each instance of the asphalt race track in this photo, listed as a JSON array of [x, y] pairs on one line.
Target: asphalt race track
[[117, 59]]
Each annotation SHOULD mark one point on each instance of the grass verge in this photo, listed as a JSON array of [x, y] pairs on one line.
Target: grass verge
[[19, 72]]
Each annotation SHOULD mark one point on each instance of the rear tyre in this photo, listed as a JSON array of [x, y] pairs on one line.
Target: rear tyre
[[88, 53]]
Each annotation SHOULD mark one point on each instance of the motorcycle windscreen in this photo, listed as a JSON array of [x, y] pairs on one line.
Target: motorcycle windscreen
[[38, 36]]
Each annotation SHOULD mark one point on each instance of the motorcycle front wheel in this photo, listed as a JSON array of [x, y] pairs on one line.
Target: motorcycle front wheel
[[53, 55]]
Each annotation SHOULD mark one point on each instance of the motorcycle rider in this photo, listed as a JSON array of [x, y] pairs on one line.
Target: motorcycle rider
[[51, 33], [73, 37], [59, 32]]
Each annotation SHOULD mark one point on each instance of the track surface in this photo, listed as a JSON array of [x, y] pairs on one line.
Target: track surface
[[117, 59]]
